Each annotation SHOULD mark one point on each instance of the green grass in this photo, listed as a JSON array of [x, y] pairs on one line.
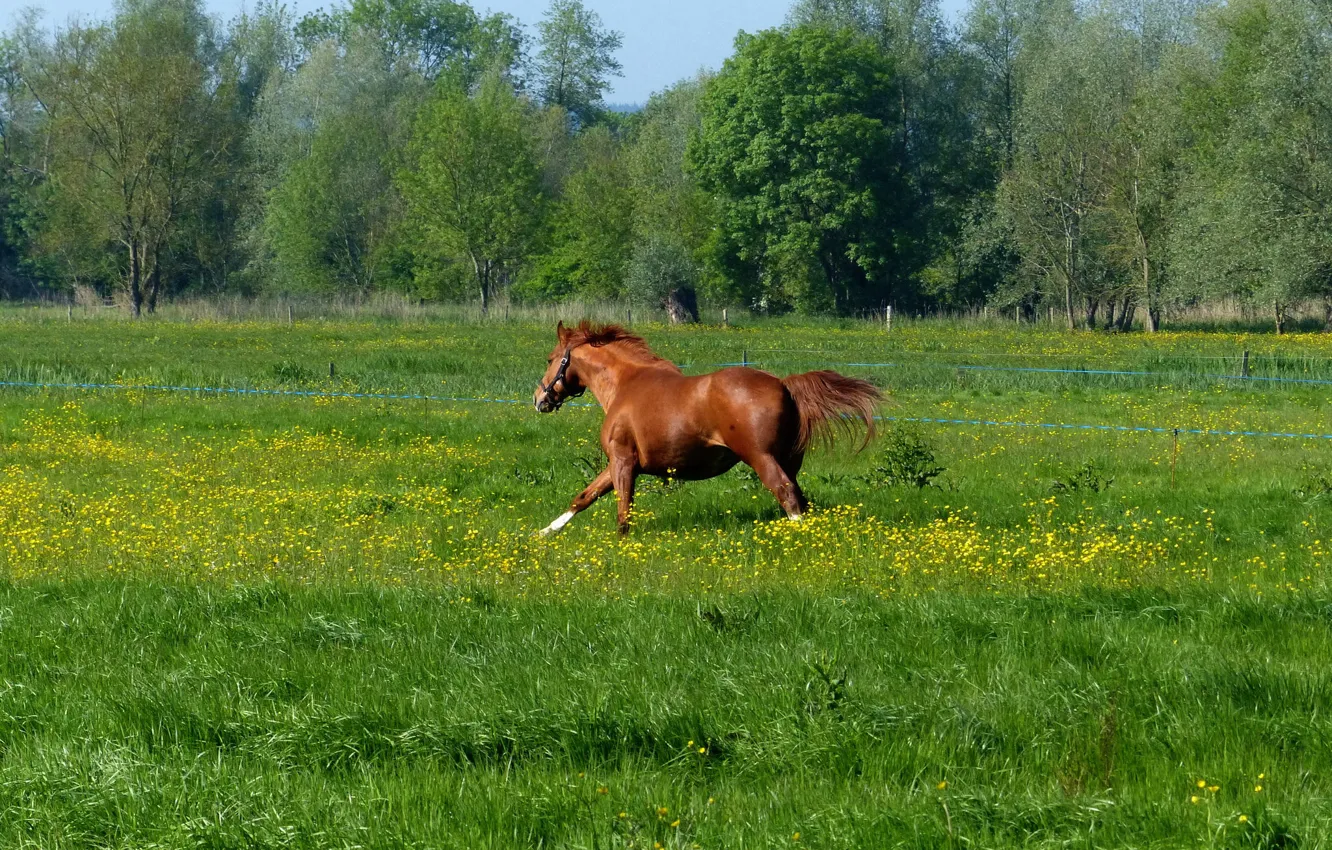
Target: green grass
[[281, 622], [158, 715]]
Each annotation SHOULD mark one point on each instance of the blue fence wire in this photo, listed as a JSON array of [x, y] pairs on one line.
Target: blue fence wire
[[1051, 371], [1051, 426]]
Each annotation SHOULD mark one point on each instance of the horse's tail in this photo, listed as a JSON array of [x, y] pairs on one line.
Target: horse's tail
[[828, 401]]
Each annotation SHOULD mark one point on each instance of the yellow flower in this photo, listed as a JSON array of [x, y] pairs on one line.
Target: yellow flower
[[795, 837], [675, 823], [942, 785], [1213, 788], [1243, 818], [661, 811], [1194, 799], [1202, 783], [1257, 788], [602, 789]]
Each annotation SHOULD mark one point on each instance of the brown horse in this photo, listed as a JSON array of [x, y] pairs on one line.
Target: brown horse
[[660, 422]]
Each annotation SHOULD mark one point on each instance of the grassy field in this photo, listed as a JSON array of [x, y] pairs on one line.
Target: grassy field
[[321, 621]]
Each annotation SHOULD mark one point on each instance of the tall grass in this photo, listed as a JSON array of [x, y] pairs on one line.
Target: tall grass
[[233, 621]]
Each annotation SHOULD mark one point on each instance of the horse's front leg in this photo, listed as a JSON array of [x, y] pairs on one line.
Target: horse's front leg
[[625, 471], [600, 486]]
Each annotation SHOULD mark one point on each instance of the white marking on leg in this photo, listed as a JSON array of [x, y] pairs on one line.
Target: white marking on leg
[[560, 522], [793, 517]]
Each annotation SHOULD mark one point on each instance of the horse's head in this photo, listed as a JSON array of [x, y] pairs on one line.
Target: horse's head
[[560, 383]]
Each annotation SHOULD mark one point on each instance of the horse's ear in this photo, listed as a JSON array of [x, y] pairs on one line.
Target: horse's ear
[[560, 332]]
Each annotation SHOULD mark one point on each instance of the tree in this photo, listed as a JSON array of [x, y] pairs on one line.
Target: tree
[[430, 38], [328, 139], [669, 205], [798, 141], [939, 97], [593, 224], [575, 60], [474, 183], [133, 115], [1054, 194], [1256, 214]]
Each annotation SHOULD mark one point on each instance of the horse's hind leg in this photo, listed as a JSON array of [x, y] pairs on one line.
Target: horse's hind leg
[[600, 486], [780, 484], [791, 466]]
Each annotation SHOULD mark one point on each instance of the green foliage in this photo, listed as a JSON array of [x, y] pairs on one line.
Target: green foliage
[[1116, 162], [1258, 203], [472, 184], [592, 225], [330, 137], [905, 457], [1089, 477], [797, 140], [659, 266], [575, 59]]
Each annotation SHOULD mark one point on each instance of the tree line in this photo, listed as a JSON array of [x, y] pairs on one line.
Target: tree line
[[1107, 163]]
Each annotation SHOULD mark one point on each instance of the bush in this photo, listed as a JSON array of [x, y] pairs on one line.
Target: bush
[[905, 458], [662, 273]]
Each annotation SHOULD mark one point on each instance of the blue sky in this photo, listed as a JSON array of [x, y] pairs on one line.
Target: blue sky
[[663, 41]]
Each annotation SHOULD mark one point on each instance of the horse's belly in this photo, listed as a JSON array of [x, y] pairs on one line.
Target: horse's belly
[[692, 464]]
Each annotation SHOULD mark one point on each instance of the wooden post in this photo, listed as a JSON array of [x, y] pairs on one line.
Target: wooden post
[[726, 322], [1244, 369], [629, 316], [888, 318], [332, 372], [744, 357], [291, 316], [69, 311]]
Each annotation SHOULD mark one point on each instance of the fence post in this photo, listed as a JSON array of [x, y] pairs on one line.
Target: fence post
[[69, 311], [332, 372], [888, 318], [1244, 370], [1174, 457], [629, 315], [726, 322], [744, 357], [291, 316]]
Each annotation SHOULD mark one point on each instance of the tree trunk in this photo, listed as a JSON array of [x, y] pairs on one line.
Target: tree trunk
[[135, 276], [1092, 306], [682, 305], [1110, 314], [482, 268], [1068, 282], [1127, 313], [1153, 311], [1279, 313], [1327, 314], [154, 282]]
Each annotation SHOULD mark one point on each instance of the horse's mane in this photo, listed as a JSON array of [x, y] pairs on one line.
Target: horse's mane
[[587, 333]]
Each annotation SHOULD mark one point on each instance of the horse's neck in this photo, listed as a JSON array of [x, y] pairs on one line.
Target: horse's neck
[[606, 373]]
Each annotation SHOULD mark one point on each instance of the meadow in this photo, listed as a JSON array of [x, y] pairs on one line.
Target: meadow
[[268, 620]]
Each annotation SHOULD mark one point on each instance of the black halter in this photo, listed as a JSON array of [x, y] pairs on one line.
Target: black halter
[[548, 390]]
